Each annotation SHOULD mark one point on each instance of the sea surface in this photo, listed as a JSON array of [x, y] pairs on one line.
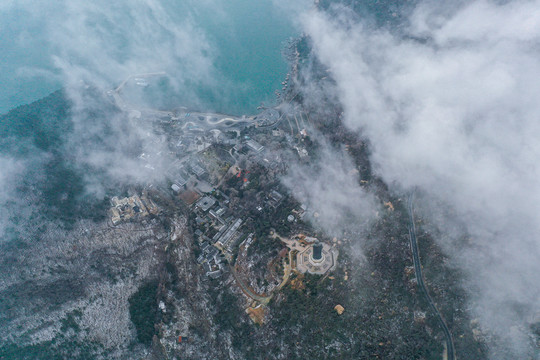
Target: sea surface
[[247, 38]]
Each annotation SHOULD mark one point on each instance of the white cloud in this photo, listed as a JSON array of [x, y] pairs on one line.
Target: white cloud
[[457, 114], [105, 42], [101, 43], [330, 187]]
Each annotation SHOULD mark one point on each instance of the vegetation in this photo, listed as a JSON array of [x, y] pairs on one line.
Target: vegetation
[[36, 134], [143, 311], [228, 318], [40, 124], [56, 349], [70, 322]]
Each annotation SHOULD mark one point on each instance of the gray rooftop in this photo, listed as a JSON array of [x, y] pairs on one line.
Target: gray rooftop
[[206, 203]]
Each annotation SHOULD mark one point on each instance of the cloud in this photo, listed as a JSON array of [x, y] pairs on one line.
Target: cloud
[[100, 44], [93, 46], [330, 187], [450, 105], [104, 41]]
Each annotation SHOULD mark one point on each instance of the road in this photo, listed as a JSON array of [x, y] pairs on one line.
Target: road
[[219, 118], [261, 299], [420, 279]]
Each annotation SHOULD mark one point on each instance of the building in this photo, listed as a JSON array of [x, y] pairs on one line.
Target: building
[[210, 260], [149, 203], [317, 258], [206, 203], [302, 152], [196, 169], [180, 181], [216, 216], [224, 239], [274, 198], [126, 209], [255, 146]]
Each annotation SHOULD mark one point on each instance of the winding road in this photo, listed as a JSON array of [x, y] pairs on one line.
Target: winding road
[[261, 299], [450, 351]]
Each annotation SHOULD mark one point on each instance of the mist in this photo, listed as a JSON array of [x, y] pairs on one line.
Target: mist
[[88, 49], [450, 107], [329, 186]]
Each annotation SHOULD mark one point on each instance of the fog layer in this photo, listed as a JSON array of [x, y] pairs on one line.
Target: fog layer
[[450, 106]]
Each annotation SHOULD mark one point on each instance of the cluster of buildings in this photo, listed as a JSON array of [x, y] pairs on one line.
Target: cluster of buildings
[[182, 173], [218, 231], [132, 208], [194, 178], [211, 260], [219, 228]]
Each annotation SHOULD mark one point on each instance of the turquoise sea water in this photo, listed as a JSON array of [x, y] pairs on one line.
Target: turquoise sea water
[[246, 39], [23, 47], [252, 57]]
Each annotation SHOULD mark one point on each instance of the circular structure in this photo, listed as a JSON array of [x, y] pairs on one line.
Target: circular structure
[[290, 218], [317, 258]]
